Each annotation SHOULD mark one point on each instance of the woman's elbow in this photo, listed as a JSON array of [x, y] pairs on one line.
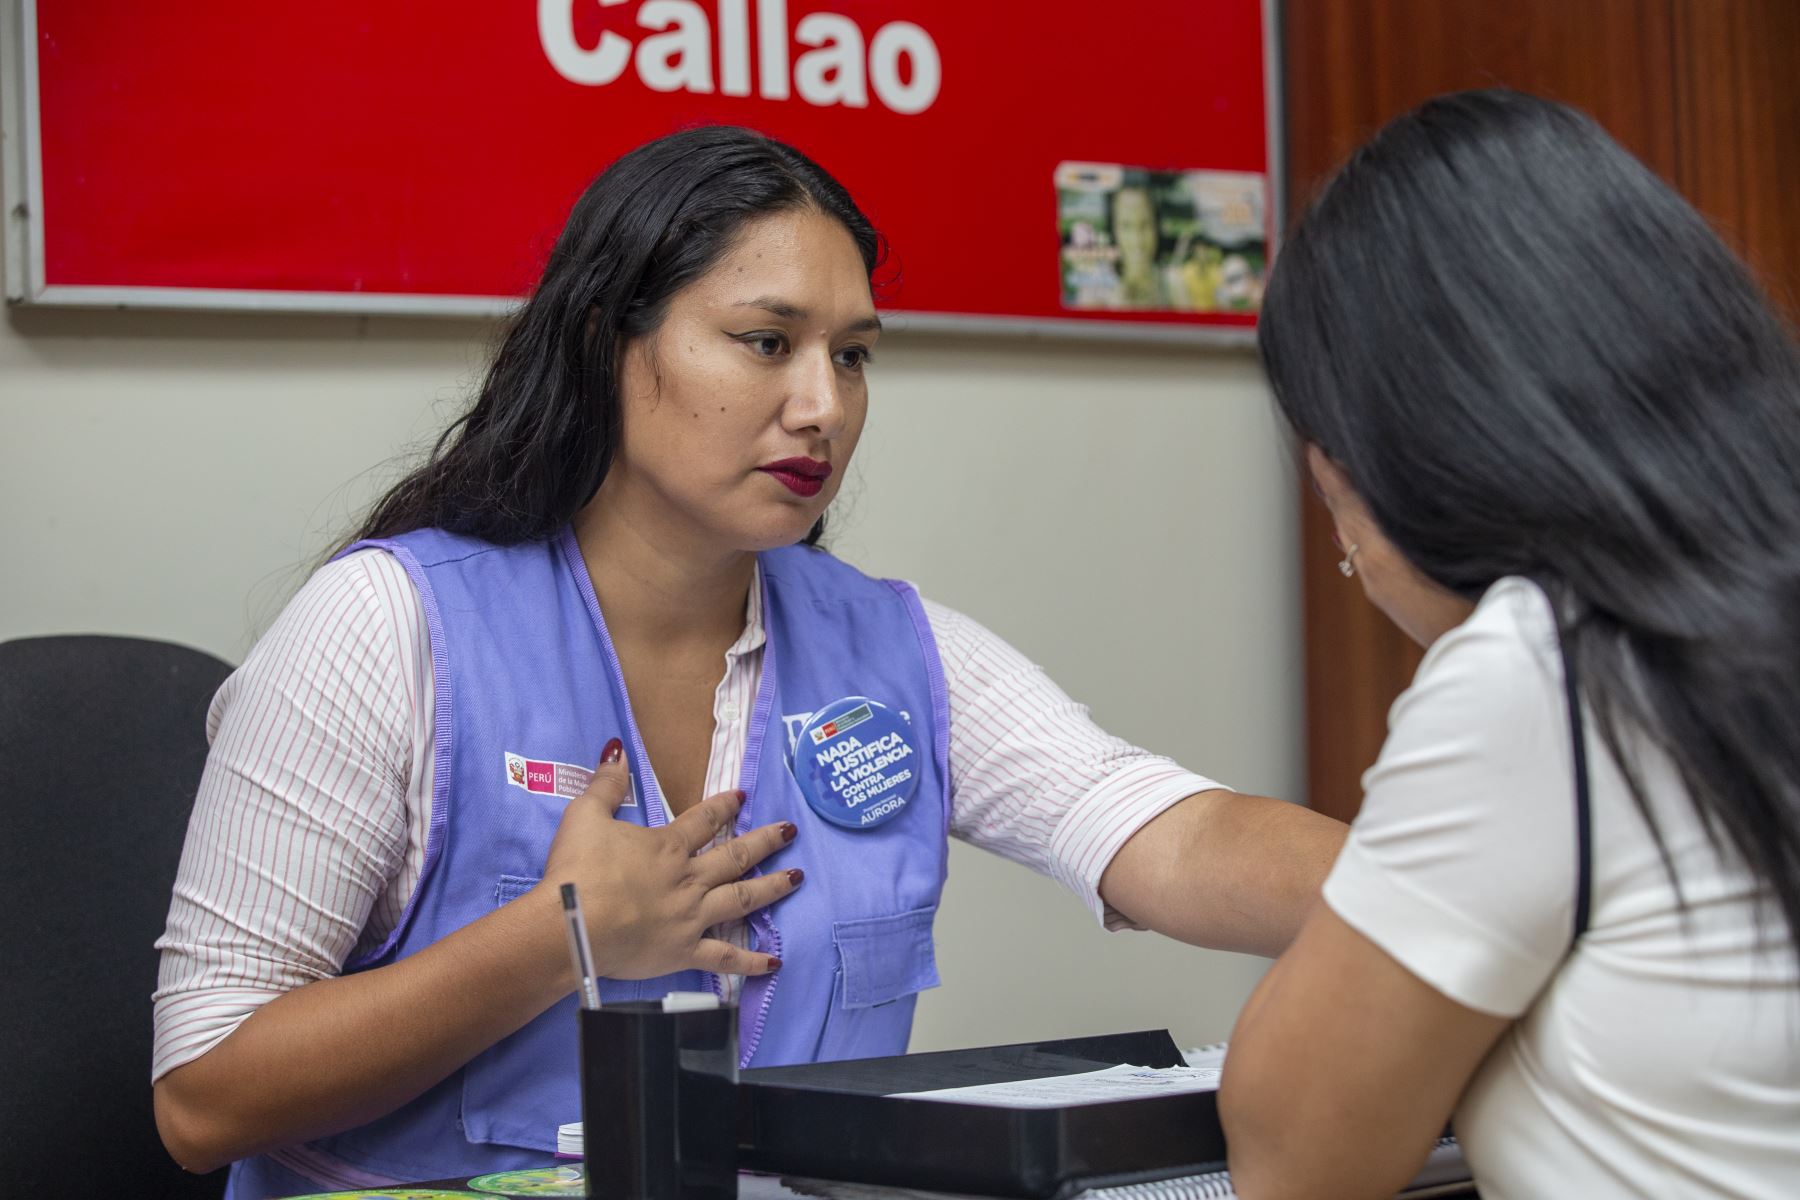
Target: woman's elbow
[[1264, 1165], [1246, 1141], [192, 1137], [1293, 1131]]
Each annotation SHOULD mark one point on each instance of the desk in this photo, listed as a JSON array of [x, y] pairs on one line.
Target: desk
[[837, 1100], [570, 1184], [750, 1187], [566, 1182]]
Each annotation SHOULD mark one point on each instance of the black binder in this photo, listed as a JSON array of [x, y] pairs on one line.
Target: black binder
[[841, 1121]]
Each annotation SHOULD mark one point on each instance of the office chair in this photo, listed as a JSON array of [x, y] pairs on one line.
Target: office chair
[[102, 740]]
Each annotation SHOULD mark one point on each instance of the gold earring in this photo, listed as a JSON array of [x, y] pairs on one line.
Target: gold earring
[[1347, 568]]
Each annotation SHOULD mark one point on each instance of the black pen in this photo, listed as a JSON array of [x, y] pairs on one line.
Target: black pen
[[579, 949]]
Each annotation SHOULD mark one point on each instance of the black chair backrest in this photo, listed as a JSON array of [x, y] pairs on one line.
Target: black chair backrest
[[102, 741]]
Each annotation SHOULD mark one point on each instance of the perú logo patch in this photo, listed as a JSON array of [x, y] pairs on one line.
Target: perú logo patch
[[553, 778]]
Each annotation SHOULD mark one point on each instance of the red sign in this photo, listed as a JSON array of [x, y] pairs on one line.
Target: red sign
[[1051, 161]]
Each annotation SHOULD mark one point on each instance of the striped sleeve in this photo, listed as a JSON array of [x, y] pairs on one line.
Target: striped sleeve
[[302, 838], [1032, 778]]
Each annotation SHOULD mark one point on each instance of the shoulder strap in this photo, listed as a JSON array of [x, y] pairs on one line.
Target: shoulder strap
[[1583, 820]]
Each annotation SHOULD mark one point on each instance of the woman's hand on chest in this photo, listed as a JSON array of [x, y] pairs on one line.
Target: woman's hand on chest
[[651, 894]]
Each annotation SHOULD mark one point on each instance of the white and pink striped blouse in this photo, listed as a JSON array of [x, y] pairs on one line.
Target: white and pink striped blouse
[[308, 834]]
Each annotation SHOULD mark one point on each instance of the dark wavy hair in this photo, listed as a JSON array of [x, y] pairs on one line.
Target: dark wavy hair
[[1531, 357], [536, 444]]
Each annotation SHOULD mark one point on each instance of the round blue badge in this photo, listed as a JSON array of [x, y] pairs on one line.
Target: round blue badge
[[856, 763]]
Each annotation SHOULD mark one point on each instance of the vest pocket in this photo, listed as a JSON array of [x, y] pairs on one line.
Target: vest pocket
[[883, 963]]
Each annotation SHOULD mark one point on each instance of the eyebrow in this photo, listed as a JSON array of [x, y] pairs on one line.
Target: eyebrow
[[792, 312]]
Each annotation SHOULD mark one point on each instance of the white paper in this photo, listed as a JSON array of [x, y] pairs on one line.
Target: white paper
[[1123, 1082], [1206, 1056]]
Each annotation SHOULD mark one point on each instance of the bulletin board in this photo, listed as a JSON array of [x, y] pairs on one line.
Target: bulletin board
[[1063, 167]]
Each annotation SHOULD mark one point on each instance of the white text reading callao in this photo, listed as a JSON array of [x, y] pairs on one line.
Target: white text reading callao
[[839, 67]]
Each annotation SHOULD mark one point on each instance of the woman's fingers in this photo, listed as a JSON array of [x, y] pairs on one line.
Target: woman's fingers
[[611, 784], [700, 824], [723, 958], [676, 885], [741, 897], [736, 857]]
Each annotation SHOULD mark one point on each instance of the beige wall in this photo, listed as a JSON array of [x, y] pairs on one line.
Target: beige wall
[[1123, 514]]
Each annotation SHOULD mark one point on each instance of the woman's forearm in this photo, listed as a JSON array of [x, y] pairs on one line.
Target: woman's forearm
[[340, 1052], [1226, 871]]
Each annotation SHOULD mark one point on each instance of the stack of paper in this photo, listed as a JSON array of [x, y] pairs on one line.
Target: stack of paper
[[1124, 1082], [1206, 1056]]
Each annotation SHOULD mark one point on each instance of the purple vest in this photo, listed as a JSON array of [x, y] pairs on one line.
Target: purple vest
[[526, 678]]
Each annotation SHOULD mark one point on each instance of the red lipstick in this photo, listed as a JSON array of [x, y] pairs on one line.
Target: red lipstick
[[801, 476]]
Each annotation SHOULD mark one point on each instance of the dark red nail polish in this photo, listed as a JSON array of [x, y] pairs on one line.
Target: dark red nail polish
[[788, 832], [615, 750], [774, 963], [739, 793], [795, 875]]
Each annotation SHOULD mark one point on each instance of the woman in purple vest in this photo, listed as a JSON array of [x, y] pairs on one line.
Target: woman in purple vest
[[611, 559]]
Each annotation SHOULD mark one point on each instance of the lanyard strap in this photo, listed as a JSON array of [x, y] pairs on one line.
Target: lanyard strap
[[1583, 821]]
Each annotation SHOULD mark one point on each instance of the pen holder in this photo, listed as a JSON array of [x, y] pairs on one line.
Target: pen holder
[[659, 1102]]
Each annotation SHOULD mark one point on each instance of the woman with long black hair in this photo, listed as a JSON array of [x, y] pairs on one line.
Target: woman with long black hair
[[609, 560], [1558, 430]]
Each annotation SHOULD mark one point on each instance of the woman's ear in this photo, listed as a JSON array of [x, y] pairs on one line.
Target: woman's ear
[[1328, 478]]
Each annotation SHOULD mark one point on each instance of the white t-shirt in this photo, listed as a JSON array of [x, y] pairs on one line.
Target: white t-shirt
[[1661, 1058]]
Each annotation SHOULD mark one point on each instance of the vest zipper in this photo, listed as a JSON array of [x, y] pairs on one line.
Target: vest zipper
[[768, 997]]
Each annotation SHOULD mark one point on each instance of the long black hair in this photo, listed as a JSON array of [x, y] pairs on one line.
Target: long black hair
[[1531, 357], [536, 444]]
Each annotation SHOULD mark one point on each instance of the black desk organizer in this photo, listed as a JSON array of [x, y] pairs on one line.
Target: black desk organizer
[[839, 1121]]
